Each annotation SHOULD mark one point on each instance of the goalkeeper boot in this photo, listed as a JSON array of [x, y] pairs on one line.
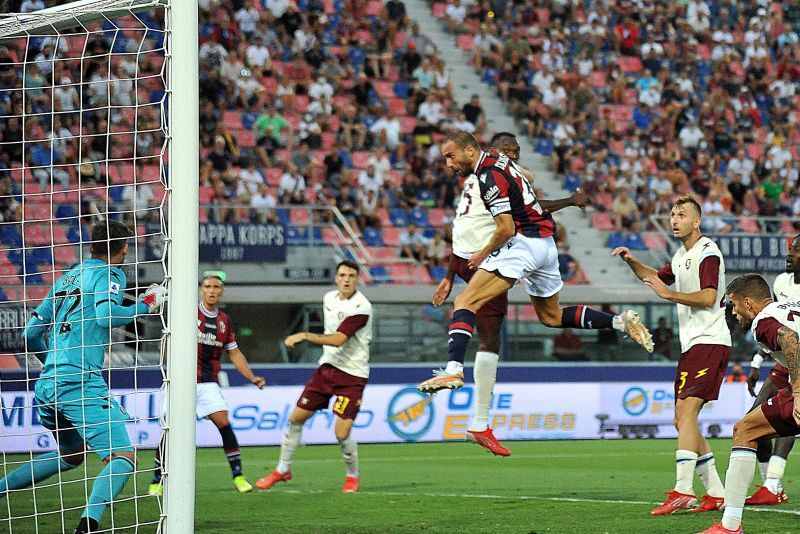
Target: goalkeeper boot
[[442, 380], [486, 439], [87, 525], [764, 497], [675, 502], [273, 478], [156, 488], [717, 528], [709, 504], [242, 485], [350, 484], [637, 330]]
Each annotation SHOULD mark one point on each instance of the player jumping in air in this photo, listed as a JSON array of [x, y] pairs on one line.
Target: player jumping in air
[[215, 334], [72, 327], [772, 463], [521, 246], [775, 325], [698, 272], [473, 227], [343, 373]]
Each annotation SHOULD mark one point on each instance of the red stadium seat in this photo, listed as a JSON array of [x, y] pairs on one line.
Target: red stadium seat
[[629, 64], [465, 42], [65, 255], [9, 275], [232, 120], [654, 240], [202, 214], [246, 139], [36, 293], [439, 10], [274, 176], [9, 362], [436, 217], [602, 221], [36, 211], [754, 150], [748, 226], [398, 106], [206, 195], [359, 159], [408, 124], [381, 253], [374, 8], [391, 236], [384, 89], [299, 216], [597, 79]]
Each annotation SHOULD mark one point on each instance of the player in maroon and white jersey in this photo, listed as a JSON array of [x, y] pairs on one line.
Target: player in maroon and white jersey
[[776, 327], [697, 272], [343, 373], [522, 246], [772, 463], [215, 335]]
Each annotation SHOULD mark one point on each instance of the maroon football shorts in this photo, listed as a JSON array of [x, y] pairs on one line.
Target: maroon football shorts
[[496, 306], [779, 376], [328, 381], [779, 412], [700, 372]]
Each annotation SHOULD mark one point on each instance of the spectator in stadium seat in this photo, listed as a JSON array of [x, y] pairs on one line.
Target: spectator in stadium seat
[[10, 209], [284, 93], [363, 92], [257, 56], [662, 338], [138, 201], [563, 138], [291, 188], [473, 111], [625, 209], [250, 178], [436, 252], [407, 194], [302, 160], [347, 202], [248, 90], [455, 16], [334, 165], [422, 43], [486, 48], [387, 130], [271, 129], [369, 180], [410, 60], [368, 204], [309, 131], [263, 204], [396, 14], [626, 37], [11, 137], [352, 132], [567, 346], [379, 50], [413, 244], [713, 212], [432, 110]]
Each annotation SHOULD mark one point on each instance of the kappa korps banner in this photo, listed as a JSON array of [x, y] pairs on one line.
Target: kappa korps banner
[[397, 413], [242, 242]]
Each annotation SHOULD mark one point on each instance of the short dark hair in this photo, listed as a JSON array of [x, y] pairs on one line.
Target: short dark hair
[[109, 238], [348, 263], [462, 139], [690, 200], [751, 285], [503, 138]]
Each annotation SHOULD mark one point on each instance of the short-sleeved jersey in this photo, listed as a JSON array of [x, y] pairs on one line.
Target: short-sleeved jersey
[[214, 334], [473, 225], [353, 317], [785, 288], [78, 335], [700, 267], [769, 320], [504, 189]]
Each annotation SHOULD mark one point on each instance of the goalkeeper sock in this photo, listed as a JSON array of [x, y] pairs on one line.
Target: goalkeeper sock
[[485, 373], [684, 467], [291, 440], [706, 469], [737, 482], [350, 454], [42, 467], [772, 482], [107, 486], [460, 333], [231, 446]]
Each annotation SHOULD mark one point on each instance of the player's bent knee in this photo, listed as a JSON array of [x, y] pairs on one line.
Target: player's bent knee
[[74, 458], [128, 455]]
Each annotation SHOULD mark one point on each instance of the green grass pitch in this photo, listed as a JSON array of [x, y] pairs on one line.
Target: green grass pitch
[[559, 487]]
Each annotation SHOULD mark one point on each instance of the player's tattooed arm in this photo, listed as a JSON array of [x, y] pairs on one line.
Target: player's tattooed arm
[[579, 200], [790, 345]]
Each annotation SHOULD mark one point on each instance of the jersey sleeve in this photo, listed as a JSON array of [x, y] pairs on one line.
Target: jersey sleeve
[[666, 275], [109, 290], [494, 191], [356, 320], [40, 322], [230, 342], [709, 272], [766, 333]]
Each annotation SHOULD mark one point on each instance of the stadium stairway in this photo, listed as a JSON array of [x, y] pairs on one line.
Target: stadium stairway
[[587, 244]]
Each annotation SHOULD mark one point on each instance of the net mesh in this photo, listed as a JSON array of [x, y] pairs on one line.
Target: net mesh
[[83, 141]]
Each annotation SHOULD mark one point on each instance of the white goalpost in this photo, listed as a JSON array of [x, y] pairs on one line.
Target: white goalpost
[[98, 98]]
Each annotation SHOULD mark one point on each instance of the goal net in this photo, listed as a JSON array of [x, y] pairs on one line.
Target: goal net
[[85, 139]]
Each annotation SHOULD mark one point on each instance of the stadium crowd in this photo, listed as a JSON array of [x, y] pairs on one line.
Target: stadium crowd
[[637, 102]]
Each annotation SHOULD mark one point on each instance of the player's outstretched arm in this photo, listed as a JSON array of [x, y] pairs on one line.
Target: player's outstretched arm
[[337, 339], [35, 334], [238, 360], [579, 200], [641, 270]]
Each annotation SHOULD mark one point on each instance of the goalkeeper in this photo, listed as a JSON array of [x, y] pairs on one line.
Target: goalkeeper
[[72, 328]]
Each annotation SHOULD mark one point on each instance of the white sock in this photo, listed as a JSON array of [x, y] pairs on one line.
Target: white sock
[[772, 482], [350, 455], [762, 467], [485, 373], [454, 367], [291, 440], [618, 323], [737, 481], [706, 469], [684, 468]]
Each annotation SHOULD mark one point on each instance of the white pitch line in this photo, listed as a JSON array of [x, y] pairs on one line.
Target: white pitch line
[[526, 498]]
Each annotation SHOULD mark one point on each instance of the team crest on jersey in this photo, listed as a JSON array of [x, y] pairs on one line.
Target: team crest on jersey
[[483, 177], [221, 328], [688, 263], [113, 287], [340, 315]]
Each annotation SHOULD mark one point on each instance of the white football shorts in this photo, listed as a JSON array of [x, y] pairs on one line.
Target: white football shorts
[[209, 400], [533, 259]]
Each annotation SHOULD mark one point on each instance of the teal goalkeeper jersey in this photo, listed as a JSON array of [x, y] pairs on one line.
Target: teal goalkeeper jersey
[[73, 323]]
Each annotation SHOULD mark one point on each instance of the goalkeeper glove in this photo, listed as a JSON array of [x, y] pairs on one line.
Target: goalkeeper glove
[[154, 297]]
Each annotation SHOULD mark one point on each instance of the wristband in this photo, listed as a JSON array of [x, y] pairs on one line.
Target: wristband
[[757, 359]]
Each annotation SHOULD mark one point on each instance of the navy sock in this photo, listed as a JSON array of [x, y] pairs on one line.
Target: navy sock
[[460, 331], [231, 446], [581, 316]]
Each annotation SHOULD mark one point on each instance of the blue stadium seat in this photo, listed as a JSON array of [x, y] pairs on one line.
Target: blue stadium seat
[[438, 272], [10, 235], [357, 56], [372, 237], [429, 232], [490, 76], [379, 271], [76, 234], [248, 119], [115, 192], [419, 216], [296, 236], [544, 146], [67, 211], [41, 255], [3, 296], [401, 89], [398, 217], [572, 182], [634, 241], [283, 215], [425, 197], [615, 239]]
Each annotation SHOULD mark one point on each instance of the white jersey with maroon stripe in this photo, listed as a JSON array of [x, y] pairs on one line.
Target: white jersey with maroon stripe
[[769, 320], [352, 357], [699, 325], [474, 225], [785, 288]]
